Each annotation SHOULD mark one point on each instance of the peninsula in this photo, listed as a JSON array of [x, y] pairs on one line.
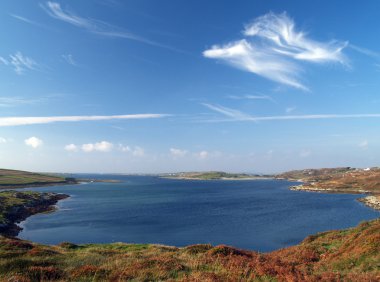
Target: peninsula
[[17, 206], [21, 179], [339, 180]]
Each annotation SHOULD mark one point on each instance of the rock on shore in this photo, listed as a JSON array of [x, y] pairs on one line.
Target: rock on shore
[[17, 206]]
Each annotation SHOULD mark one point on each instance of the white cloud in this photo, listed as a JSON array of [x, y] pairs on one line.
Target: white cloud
[[19, 62], [365, 51], [70, 60], [253, 97], [138, 151], [305, 153], [272, 48], [23, 19], [123, 148], [15, 121], [290, 109], [177, 153], [98, 27], [71, 148], [4, 61], [3, 140], [203, 155], [363, 145], [103, 146], [33, 142], [236, 115], [14, 101]]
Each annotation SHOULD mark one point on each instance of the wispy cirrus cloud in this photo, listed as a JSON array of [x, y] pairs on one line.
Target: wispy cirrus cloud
[[236, 115], [365, 51], [19, 62], [252, 97], [16, 121], [70, 59], [98, 27], [273, 48], [16, 101]]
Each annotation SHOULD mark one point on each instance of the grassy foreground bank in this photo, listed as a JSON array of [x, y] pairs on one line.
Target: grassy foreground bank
[[346, 255]]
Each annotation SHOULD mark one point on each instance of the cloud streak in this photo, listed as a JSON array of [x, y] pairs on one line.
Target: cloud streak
[[17, 121], [236, 115], [19, 62], [97, 27], [273, 48]]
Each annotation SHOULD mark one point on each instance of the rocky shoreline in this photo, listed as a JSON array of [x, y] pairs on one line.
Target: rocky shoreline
[[17, 206], [371, 201]]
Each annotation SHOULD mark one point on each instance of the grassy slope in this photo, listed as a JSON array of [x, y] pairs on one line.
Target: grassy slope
[[9, 178], [351, 255], [339, 179]]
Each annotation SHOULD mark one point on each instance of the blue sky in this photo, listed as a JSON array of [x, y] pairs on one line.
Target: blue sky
[[161, 86]]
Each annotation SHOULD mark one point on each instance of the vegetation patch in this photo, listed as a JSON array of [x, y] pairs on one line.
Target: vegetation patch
[[348, 255]]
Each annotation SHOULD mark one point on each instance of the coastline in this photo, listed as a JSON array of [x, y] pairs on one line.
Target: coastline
[[370, 200], [148, 258], [221, 178], [31, 203], [339, 255]]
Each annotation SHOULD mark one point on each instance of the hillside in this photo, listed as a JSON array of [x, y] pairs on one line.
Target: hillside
[[339, 180], [17, 179], [347, 255]]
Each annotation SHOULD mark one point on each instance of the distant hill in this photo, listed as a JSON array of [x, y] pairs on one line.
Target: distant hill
[[211, 175], [17, 178], [339, 180], [344, 179]]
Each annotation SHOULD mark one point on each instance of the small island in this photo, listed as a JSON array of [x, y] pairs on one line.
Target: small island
[[213, 175]]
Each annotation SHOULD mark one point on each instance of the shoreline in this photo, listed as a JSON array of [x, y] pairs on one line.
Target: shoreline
[[370, 200], [222, 178], [35, 204]]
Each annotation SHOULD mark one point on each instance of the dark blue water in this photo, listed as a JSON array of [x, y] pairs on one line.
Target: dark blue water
[[260, 215]]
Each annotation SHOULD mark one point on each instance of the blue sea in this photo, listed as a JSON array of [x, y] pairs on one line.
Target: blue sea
[[261, 215]]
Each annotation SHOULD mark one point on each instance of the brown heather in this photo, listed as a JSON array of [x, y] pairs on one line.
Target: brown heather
[[346, 255]]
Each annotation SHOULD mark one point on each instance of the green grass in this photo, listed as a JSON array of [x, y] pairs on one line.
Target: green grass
[[16, 177]]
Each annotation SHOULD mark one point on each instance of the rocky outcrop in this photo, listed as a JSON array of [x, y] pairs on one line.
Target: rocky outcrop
[[26, 204], [371, 201]]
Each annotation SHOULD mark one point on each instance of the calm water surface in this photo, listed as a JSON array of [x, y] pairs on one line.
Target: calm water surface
[[260, 215]]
